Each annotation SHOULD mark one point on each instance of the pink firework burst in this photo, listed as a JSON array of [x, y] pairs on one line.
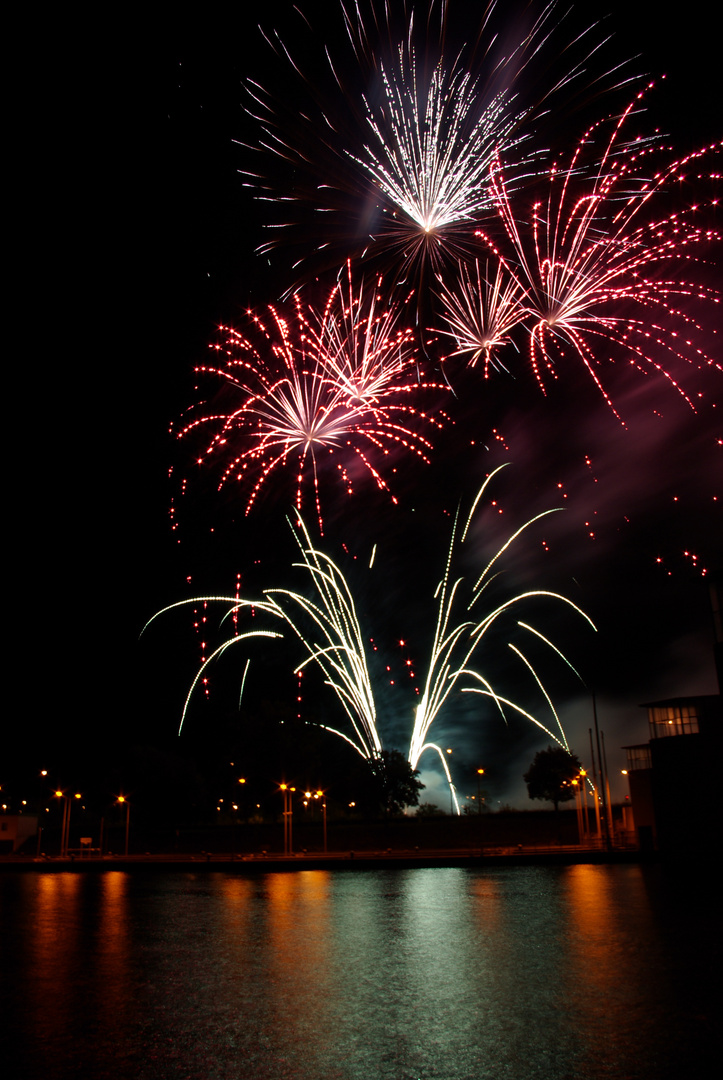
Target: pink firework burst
[[594, 268], [364, 350], [338, 382], [481, 313]]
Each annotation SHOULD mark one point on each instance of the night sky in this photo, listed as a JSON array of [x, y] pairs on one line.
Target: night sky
[[165, 232]]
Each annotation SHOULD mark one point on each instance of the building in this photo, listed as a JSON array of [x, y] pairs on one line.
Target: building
[[15, 830], [672, 778]]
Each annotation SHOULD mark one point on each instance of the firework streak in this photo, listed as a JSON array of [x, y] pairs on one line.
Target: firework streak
[[457, 643], [327, 625]]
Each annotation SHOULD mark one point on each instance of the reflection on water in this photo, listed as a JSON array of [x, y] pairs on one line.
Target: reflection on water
[[456, 974]]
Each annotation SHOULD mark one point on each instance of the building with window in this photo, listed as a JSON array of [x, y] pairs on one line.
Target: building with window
[[673, 790]]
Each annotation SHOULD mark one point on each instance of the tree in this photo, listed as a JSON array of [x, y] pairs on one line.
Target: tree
[[550, 773], [397, 783]]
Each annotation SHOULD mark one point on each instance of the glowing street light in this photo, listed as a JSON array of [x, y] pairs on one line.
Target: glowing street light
[[61, 795], [575, 784], [286, 792], [451, 785], [65, 829], [583, 799], [122, 801], [320, 795], [480, 774]]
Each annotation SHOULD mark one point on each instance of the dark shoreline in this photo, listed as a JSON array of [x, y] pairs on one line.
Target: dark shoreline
[[333, 861]]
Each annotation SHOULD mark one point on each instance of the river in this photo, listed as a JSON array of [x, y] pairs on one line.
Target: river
[[506, 973]]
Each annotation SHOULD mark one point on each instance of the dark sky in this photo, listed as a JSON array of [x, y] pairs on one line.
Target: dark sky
[[149, 199]]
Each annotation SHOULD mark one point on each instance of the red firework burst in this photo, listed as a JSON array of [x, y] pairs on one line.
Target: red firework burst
[[340, 381]]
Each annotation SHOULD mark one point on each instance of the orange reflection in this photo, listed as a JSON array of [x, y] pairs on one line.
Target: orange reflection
[[113, 945], [303, 945], [590, 912], [54, 911], [605, 981]]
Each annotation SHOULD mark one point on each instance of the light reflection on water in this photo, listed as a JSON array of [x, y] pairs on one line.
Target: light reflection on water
[[457, 974]]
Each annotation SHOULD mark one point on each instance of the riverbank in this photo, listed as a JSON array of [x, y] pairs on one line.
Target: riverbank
[[502, 831], [348, 860]]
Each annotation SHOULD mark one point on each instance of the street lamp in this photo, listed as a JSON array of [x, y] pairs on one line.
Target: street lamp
[[61, 795], [575, 784], [583, 798], [286, 792], [480, 774], [451, 788], [122, 801], [65, 830], [40, 800], [320, 795]]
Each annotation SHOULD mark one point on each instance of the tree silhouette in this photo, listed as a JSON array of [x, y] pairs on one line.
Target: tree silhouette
[[550, 773], [397, 783]]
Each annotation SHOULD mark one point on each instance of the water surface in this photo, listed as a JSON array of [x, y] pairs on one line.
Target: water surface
[[519, 973]]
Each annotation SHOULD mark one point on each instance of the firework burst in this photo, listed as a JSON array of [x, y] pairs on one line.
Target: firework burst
[[480, 314], [433, 143], [338, 383], [237, 606], [593, 267], [365, 352], [391, 146]]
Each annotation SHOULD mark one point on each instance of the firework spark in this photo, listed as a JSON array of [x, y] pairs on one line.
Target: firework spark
[[481, 315], [364, 351], [589, 252], [456, 643], [336, 383], [328, 628], [434, 142], [236, 605], [335, 643], [393, 144]]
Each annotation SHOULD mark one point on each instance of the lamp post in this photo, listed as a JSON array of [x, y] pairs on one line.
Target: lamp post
[[575, 783], [122, 801], [244, 800], [66, 815], [320, 795], [451, 790], [605, 820], [65, 831], [286, 792], [583, 797], [67, 828], [480, 774], [41, 800]]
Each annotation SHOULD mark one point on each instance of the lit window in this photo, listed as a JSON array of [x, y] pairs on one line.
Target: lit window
[[638, 757], [672, 720]]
